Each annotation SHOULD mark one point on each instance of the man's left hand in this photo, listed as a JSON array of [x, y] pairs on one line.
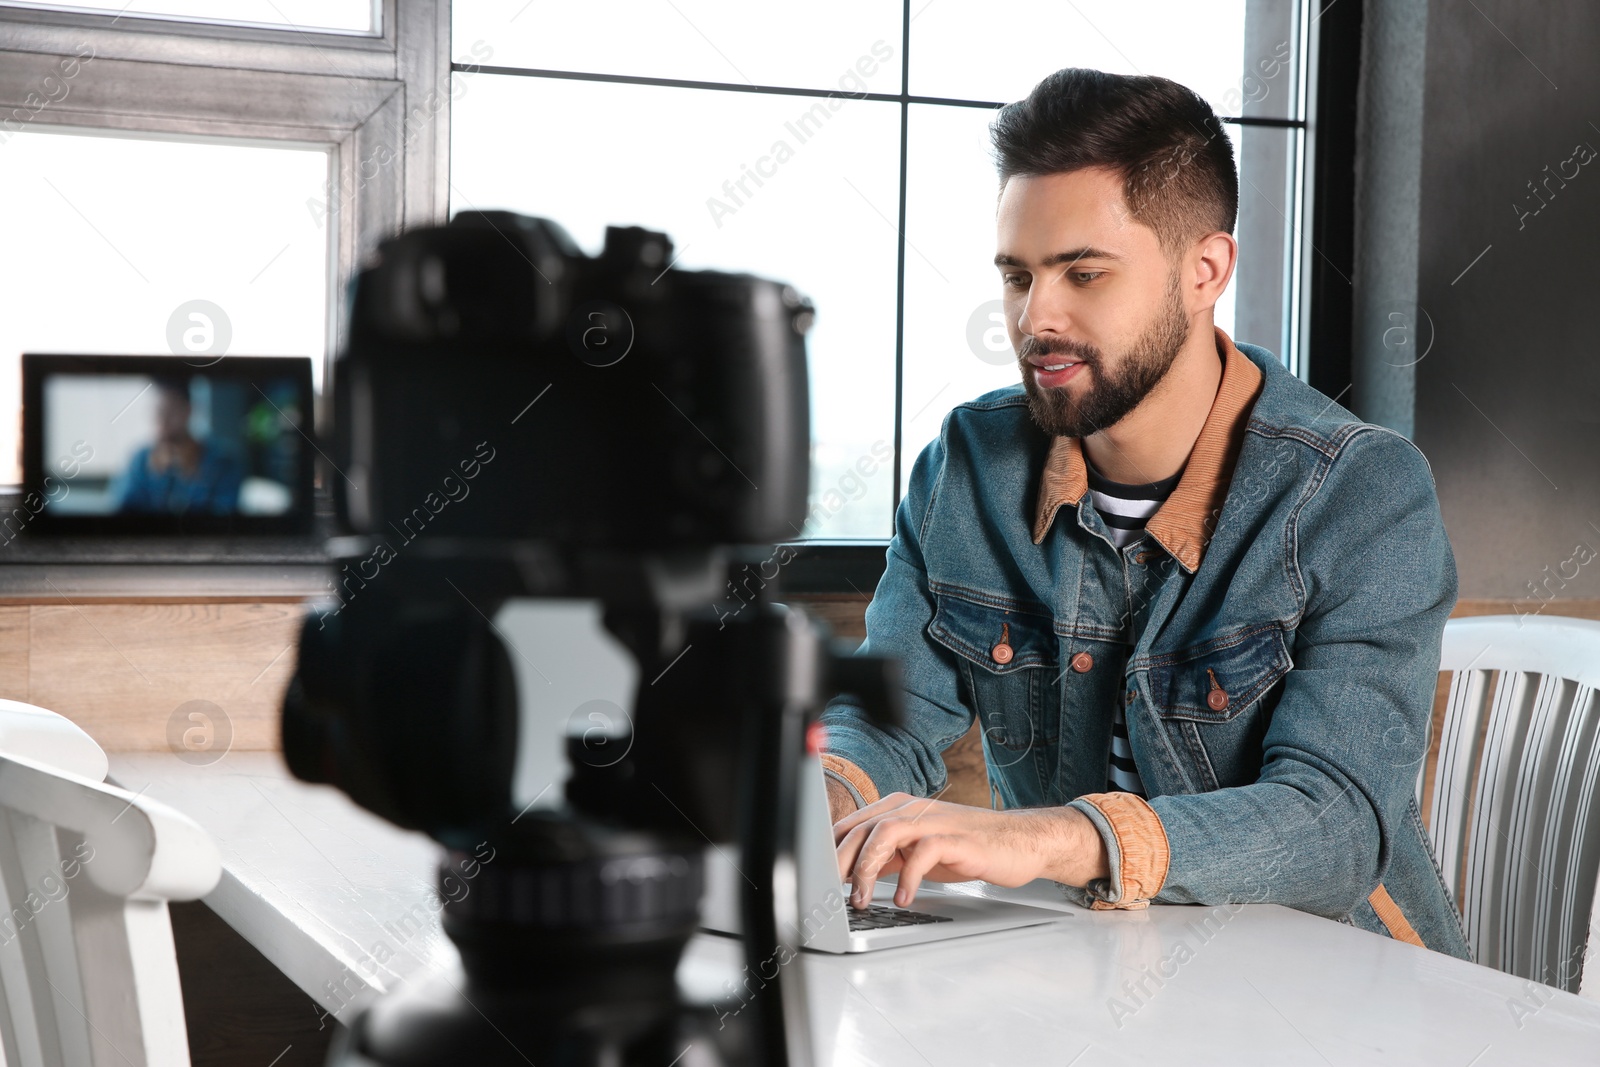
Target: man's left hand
[[921, 838]]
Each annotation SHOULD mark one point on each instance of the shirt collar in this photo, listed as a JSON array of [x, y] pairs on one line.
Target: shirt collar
[[1182, 525]]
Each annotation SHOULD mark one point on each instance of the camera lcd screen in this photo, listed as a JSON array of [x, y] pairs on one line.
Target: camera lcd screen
[[151, 444]]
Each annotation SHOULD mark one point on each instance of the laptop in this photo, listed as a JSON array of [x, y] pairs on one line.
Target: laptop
[[828, 923], [92, 426]]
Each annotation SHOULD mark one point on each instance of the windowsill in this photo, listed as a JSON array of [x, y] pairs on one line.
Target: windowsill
[[841, 568], [275, 567], [79, 581], [154, 551], [178, 568]]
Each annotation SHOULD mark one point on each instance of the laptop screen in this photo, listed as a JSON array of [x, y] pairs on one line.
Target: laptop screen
[[132, 444]]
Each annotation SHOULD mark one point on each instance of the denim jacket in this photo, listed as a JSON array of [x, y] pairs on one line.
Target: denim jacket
[[1275, 634]]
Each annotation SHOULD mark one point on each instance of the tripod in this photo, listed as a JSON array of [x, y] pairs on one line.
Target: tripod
[[571, 937]]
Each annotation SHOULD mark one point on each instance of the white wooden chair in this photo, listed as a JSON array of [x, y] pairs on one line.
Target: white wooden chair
[[1513, 812], [88, 974]]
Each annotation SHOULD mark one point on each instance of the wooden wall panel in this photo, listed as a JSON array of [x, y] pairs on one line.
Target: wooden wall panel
[[1570, 607], [845, 614], [121, 671], [14, 652]]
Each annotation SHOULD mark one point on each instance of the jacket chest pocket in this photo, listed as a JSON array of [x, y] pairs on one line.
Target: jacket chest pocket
[[1209, 698], [1008, 662]]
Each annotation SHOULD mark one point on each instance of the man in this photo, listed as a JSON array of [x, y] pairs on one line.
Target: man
[[1195, 605], [178, 473]]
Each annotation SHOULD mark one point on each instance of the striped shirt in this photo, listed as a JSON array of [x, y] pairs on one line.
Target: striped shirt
[[1125, 509]]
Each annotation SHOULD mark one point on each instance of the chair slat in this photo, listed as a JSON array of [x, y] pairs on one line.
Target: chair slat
[[1577, 916], [1490, 848], [1455, 772], [1556, 852], [34, 1036], [1523, 940]]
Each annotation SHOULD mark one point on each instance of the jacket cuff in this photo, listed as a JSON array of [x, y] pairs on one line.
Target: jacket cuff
[[1393, 919], [1137, 851], [851, 777]]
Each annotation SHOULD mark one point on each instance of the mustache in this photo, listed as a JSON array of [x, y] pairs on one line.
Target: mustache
[[1078, 350]]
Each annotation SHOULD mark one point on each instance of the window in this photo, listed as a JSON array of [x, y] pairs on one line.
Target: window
[[183, 184], [148, 246], [844, 150], [840, 146], [328, 16]]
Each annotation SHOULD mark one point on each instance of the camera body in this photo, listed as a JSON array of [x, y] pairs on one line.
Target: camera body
[[513, 418], [639, 407]]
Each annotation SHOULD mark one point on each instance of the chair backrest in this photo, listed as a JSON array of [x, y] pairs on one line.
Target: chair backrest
[[1513, 812], [88, 974], [33, 733]]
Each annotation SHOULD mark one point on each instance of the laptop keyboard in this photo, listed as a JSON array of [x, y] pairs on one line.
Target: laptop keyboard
[[882, 916]]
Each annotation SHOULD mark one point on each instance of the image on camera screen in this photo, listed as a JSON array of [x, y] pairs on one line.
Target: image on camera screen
[[184, 443]]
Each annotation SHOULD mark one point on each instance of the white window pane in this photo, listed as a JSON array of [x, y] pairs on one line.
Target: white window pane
[[951, 282], [1226, 311], [814, 45], [691, 163], [321, 16], [1268, 201], [955, 45], [144, 246]]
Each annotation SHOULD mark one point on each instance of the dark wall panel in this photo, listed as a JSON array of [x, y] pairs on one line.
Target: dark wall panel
[[1508, 395]]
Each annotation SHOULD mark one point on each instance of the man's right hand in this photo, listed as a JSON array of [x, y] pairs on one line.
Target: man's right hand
[[840, 802]]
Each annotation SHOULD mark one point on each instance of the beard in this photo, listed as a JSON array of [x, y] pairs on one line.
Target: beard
[[1113, 391]]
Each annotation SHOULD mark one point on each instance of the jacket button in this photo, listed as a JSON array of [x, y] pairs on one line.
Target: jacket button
[[1082, 662], [1002, 652], [1217, 699]]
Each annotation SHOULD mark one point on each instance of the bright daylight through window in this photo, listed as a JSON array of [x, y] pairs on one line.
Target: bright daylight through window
[[661, 125], [171, 247]]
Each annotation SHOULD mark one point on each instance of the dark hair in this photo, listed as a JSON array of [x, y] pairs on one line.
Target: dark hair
[[171, 382], [1176, 162]]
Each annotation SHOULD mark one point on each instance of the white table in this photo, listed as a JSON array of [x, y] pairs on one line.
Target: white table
[[1266, 985], [316, 885], [337, 899]]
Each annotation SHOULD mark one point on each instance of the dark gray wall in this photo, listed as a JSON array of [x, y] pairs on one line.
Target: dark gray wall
[[1508, 396], [1390, 130]]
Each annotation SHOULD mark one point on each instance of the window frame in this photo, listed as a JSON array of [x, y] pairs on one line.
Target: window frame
[[356, 96], [353, 94], [1332, 102]]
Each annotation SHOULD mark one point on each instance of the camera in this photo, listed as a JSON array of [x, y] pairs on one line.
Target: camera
[[642, 406], [513, 418]]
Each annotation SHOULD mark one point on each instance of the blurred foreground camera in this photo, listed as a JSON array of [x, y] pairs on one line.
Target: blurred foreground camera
[[512, 418], [642, 406]]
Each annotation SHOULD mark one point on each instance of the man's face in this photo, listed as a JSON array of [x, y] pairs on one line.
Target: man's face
[[1091, 299], [172, 414]]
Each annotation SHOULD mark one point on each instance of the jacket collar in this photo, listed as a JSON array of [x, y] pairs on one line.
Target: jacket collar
[[1182, 525]]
